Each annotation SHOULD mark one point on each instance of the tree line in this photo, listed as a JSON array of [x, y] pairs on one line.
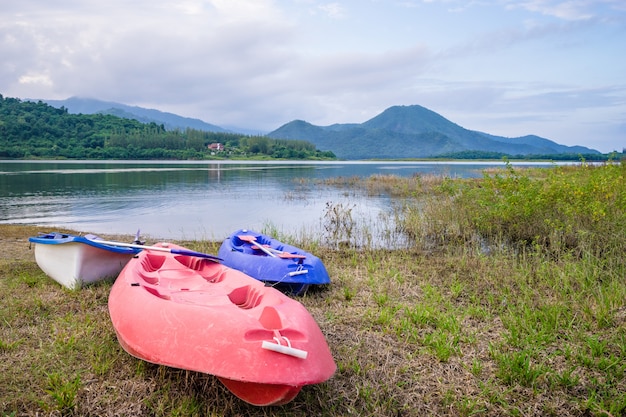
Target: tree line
[[476, 155], [37, 130]]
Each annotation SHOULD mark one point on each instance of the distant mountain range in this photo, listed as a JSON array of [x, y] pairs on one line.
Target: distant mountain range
[[398, 132], [414, 132], [171, 121]]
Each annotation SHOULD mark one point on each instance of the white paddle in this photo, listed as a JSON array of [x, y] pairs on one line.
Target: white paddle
[[163, 248]]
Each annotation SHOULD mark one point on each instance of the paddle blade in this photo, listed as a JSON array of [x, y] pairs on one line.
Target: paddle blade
[[252, 239], [268, 249], [291, 256]]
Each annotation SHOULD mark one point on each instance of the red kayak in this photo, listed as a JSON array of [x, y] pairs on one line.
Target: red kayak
[[194, 313]]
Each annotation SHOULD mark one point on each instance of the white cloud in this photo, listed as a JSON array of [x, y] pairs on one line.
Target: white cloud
[[41, 79], [569, 9], [262, 63], [332, 10]]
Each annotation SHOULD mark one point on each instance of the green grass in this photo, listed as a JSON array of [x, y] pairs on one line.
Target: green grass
[[504, 296]]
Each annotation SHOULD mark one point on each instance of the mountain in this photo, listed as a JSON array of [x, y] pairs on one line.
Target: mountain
[[414, 132], [169, 120], [398, 132]]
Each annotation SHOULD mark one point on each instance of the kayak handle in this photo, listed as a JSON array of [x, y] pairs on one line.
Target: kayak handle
[[298, 272], [284, 349]]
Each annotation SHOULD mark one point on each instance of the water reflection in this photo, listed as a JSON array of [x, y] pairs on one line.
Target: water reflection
[[196, 200]]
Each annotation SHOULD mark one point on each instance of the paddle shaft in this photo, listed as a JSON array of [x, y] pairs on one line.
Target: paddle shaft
[[159, 248], [251, 239], [282, 254]]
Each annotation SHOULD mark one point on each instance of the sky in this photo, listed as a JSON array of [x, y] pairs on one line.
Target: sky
[[552, 68]]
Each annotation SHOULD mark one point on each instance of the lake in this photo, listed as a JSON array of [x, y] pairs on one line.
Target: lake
[[197, 200]]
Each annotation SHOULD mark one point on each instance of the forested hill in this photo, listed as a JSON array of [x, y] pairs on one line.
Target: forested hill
[[417, 132], [38, 130]]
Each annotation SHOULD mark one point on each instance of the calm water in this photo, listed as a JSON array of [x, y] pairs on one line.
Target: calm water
[[194, 200]]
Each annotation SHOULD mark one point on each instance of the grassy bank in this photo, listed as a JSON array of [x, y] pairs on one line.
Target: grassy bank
[[509, 299]]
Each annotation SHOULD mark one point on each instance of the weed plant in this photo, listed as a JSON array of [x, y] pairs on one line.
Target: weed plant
[[505, 296]]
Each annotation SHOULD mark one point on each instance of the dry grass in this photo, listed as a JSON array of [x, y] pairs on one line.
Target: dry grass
[[56, 331], [385, 365]]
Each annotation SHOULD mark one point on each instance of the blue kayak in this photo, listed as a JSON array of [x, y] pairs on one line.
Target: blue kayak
[[262, 257]]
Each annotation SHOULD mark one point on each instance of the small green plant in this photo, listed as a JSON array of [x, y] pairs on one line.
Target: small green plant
[[468, 406], [63, 392], [381, 299], [477, 367], [6, 346], [387, 316], [596, 346], [518, 367], [348, 293], [422, 315], [568, 378], [442, 344]]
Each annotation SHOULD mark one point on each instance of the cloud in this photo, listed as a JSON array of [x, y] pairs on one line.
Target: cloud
[[349, 71], [103, 55], [39, 79], [332, 10], [262, 63], [569, 9], [570, 99]]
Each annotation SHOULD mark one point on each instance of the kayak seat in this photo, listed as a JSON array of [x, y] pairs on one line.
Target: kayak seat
[[152, 262], [217, 277], [245, 297], [148, 268], [210, 270]]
